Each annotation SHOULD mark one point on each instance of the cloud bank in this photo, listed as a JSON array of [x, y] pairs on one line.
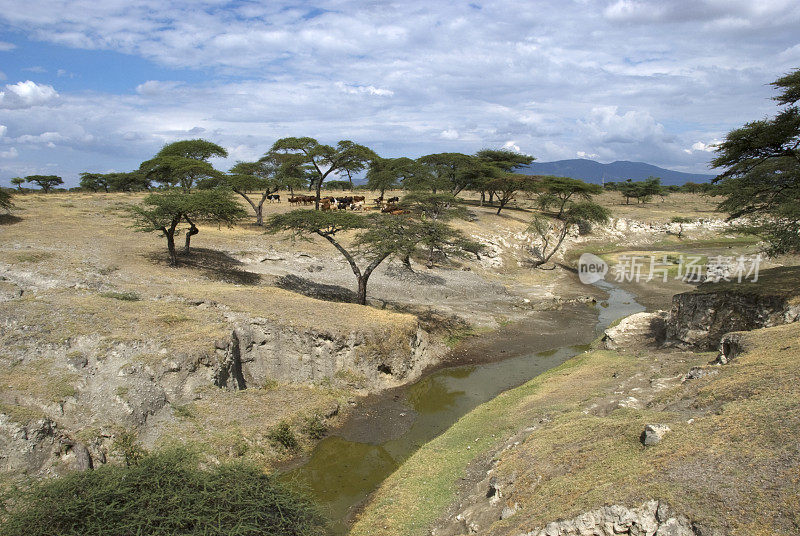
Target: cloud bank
[[627, 79]]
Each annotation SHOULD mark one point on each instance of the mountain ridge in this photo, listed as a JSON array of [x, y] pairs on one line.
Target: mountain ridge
[[620, 170]]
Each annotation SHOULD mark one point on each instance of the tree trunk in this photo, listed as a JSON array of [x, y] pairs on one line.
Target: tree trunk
[[173, 255], [193, 230], [260, 215], [491, 198], [483, 198], [319, 190], [362, 290], [502, 204], [406, 260]]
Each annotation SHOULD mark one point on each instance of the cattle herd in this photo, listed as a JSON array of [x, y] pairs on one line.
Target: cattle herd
[[350, 202]]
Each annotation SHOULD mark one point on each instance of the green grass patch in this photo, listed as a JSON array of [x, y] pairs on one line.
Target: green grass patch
[[122, 296]]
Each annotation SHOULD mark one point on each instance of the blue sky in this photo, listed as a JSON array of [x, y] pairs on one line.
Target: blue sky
[[101, 86]]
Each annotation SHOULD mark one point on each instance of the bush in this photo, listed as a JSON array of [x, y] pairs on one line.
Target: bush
[[165, 494], [282, 436], [314, 427], [125, 444]]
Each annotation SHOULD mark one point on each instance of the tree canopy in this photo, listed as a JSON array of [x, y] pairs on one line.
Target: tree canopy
[[319, 160], [388, 173], [553, 232], [183, 163], [507, 185], [5, 200], [45, 182], [560, 192], [164, 211], [761, 177]]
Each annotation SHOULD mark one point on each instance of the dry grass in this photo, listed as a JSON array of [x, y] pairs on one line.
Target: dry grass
[[225, 424]]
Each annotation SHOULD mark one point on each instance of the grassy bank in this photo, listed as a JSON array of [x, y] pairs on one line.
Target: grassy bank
[[727, 462]]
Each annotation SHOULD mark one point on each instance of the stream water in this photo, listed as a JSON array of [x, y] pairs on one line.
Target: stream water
[[343, 470]]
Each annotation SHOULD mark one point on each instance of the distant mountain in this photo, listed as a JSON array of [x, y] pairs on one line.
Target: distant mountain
[[591, 171]]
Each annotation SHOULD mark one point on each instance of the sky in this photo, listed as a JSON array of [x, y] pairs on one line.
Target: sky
[[100, 86]]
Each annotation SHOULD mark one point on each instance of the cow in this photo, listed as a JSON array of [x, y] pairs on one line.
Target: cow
[[274, 197], [359, 205], [359, 198], [325, 205], [393, 200], [295, 200]]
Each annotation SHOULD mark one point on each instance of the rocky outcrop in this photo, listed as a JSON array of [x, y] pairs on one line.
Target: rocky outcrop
[[259, 351], [650, 519], [700, 318], [636, 329]]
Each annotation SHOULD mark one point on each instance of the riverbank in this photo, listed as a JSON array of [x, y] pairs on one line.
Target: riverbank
[[571, 448]]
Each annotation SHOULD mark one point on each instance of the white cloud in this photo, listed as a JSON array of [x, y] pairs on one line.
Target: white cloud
[[628, 80], [605, 124], [6, 46], [584, 154], [702, 147], [156, 87], [370, 90], [512, 145], [26, 95], [35, 69], [3, 130], [10, 153]]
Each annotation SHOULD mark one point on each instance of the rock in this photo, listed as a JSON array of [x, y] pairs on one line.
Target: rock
[[637, 328], [701, 317], [616, 520], [332, 411], [695, 373], [653, 434], [731, 345], [508, 511], [77, 360]]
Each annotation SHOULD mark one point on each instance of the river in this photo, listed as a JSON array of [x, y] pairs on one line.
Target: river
[[346, 467]]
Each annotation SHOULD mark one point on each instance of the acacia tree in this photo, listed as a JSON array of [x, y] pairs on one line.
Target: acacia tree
[[431, 212], [5, 200], [442, 171], [45, 182], [94, 181], [183, 163], [128, 181], [761, 180], [553, 232], [560, 192], [507, 185], [321, 160], [164, 211], [387, 173], [259, 176], [378, 237], [18, 182], [504, 160], [329, 224]]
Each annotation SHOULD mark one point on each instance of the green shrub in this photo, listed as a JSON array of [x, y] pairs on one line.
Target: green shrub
[[124, 296], [165, 494], [125, 444], [314, 427], [282, 436]]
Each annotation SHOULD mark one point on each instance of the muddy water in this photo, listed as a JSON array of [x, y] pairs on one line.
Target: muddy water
[[345, 468]]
